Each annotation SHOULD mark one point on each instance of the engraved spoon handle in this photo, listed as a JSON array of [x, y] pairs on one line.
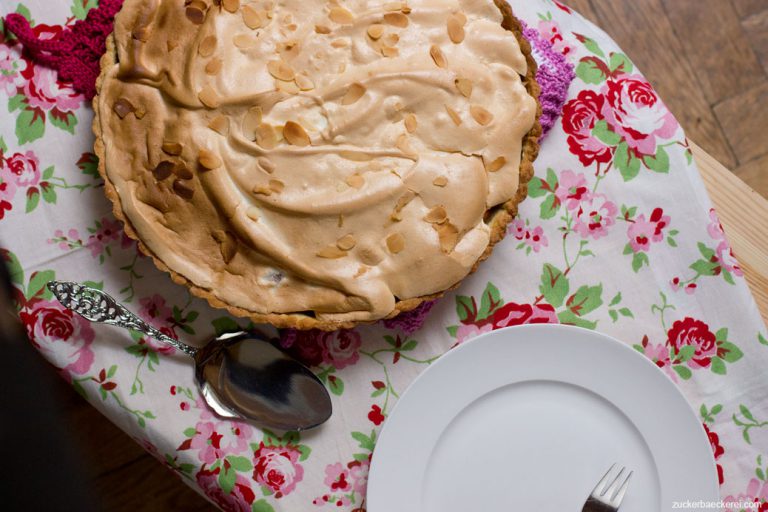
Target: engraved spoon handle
[[97, 306]]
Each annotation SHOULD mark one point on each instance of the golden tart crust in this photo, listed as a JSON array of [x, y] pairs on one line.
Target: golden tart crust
[[182, 169]]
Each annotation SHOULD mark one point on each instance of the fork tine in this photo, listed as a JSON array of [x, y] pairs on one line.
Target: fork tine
[[614, 484], [619, 497], [598, 490]]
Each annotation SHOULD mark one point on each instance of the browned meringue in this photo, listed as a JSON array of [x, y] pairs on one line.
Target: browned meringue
[[307, 155]]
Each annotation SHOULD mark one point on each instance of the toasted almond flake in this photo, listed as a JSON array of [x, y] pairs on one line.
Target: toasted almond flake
[[406, 198], [399, 106], [280, 70], [389, 51], [171, 148], [410, 122], [208, 160], [405, 10], [140, 112], [266, 165], [331, 252], [251, 122], [220, 125], [322, 29], [208, 97], [393, 6], [341, 16], [227, 244], [340, 43], [214, 66], [141, 34], [453, 115], [342, 67], [276, 186], [391, 39], [496, 164], [171, 44], [404, 145], [287, 87], [355, 181], [362, 269], [482, 116], [356, 156], [340, 223], [448, 236], [346, 243], [230, 5], [181, 171], [183, 190], [252, 213], [354, 93], [292, 27], [461, 17], [464, 85], [195, 14], [163, 169], [304, 83], [440, 181], [375, 31], [437, 56], [396, 19], [207, 46], [436, 215], [262, 190], [266, 136], [455, 30], [243, 41], [295, 134], [123, 107], [395, 243], [254, 19]]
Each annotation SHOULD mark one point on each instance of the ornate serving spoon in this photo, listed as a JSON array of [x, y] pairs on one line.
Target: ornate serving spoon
[[240, 374]]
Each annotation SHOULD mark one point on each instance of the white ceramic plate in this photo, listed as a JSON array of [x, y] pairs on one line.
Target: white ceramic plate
[[529, 418]]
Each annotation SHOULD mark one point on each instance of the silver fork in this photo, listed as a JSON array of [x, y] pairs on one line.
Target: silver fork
[[608, 497]]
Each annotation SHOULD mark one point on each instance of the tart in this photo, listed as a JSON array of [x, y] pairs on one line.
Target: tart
[[316, 164]]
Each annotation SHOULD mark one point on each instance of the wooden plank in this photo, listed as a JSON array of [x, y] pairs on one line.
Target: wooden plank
[[756, 29], [642, 29], [744, 214], [720, 55], [748, 7], [744, 119], [755, 174]]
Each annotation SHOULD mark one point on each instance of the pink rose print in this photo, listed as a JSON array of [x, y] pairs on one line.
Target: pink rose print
[[239, 500], [108, 230], [518, 314], [696, 333], [154, 311], [358, 471], [49, 326], [756, 492], [579, 118], [337, 478], [217, 440], [642, 232], [551, 31], [341, 348], [572, 189], [635, 112], [11, 66], [24, 169], [659, 354], [715, 228], [534, 238], [727, 259], [594, 216], [517, 228], [7, 191], [277, 467], [466, 332]]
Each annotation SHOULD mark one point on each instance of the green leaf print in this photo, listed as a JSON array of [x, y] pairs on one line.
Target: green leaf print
[[366, 442], [24, 11], [13, 264], [705, 268], [591, 45], [239, 463], [223, 325], [63, 120], [49, 192], [729, 352], [549, 207], [761, 339], [262, 506], [48, 173], [683, 371], [718, 366], [568, 318], [30, 125], [227, 479], [33, 199], [17, 102], [537, 187], [659, 162], [592, 70], [585, 300], [465, 308], [554, 285], [336, 385], [80, 8], [626, 161], [620, 64], [37, 282], [490, 300], [638, 260], [3, 145], [605, 134]]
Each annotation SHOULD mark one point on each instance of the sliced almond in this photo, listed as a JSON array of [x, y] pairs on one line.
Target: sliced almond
[[220, 125], [395, 243], [375, 31], [227, 244], [214, 66], [252, 213], [346, 243], [266, 136], [243, 41], [354, 93], [322, 29], [171, 44], [455, 29], [287, 87], [448, 236], [230, 5], [208, 97], [207, 46], [183, 190], [341, 16], [254, 19], [396, 19], [141, 34], [390, 51], [140, 112], [496, 164], [440, 181], [163, 170], [208, 159], [362, 269], [266, 164], [340, 43], [123, 107], [406, 198], [295, 134], [391, 39], [355, 181], [280, 70], [410, 122], [181, 171], [404, 145], [356, 156], [171, 148], [461, 17], [464, 85], [482, 116], [195, 14], [251, 122], [436, 215], [453, 115], [340, 223], [276, 186], [262, 190], [437, 55], [304, 83], [331, 252]]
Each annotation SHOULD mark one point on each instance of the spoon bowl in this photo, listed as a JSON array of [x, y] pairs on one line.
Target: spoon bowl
[[240, 374]]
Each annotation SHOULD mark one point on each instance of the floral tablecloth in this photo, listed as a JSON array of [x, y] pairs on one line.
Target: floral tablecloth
[[617, 235]]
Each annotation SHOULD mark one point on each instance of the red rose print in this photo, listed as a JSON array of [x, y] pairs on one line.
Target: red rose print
[[340, 348], [23, 169], [239, 500], [306, 347], [717, 450], [375, 415], [278, 468], [518, 314], [696, 333], [579, 118]]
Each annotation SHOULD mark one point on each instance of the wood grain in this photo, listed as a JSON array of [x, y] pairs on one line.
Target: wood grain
[[756, 29], [744, 214], [755, 173], [719, 78], [643, 31], [748, 7], [743, 124]]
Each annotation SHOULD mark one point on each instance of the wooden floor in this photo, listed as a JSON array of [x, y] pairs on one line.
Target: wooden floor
[[709, 61]]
